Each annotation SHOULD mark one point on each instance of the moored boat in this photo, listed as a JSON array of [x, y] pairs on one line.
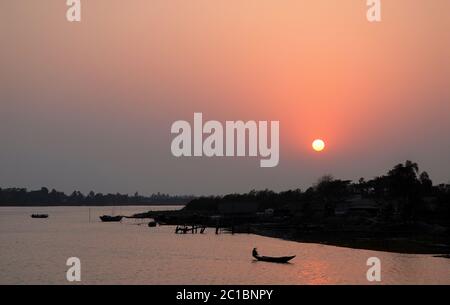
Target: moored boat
[[39, 215], [108, 218]]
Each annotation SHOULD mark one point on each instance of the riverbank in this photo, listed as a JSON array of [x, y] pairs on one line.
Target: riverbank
[[411, 237], [401, 243]]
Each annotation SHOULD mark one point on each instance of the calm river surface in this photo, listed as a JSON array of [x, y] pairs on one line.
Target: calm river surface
[[34, 251]]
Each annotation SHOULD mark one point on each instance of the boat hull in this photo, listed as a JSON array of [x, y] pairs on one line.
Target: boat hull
[[270, 259], [39, 216], [107, 218]]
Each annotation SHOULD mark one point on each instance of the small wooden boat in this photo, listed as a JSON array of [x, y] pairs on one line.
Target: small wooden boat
[[107, 218], [272, 259], [39, 216], [280, 259]]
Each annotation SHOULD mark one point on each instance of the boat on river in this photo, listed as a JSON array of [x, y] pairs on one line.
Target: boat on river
[[108, 218], [39, 215], [272, 259]]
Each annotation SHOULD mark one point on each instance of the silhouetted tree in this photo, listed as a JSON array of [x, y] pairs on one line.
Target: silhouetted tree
[[404, 186], [426, 184], [331, 191]]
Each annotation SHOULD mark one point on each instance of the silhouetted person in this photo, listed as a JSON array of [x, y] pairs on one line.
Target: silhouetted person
[[255, 252]]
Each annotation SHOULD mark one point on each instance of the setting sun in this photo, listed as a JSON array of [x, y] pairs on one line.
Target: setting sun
[[318, 145]]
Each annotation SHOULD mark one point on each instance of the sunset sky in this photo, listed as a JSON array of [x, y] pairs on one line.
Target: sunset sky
[[89, 105]]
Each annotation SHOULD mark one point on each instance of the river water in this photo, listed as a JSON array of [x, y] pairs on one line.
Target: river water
[[35, 251]]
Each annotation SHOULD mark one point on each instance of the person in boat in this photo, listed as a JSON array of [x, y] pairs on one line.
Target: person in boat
[[281, 259]]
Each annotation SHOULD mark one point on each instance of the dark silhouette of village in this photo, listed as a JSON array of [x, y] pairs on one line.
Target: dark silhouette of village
[[401, 211]]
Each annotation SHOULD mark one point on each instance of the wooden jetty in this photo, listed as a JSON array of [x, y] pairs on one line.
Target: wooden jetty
[[194, 229]]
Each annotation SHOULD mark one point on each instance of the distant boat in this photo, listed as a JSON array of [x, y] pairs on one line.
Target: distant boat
[[272, 259], [39, 215], [107, 218], [152, 224]]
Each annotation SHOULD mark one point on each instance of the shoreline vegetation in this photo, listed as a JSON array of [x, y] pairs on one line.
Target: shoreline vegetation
[[401, 211], [21, 197]]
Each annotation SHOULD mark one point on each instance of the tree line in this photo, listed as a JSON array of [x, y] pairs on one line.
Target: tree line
[[23, 197], [403, 193]]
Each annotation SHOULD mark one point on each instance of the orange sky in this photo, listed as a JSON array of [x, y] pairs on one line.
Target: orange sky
[[93, 102]]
